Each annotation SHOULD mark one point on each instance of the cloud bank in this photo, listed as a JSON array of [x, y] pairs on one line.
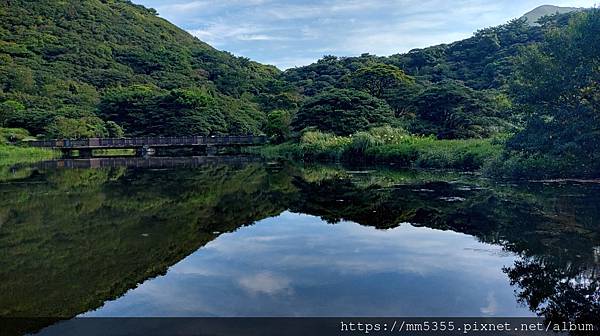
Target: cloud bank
[[294, 33]]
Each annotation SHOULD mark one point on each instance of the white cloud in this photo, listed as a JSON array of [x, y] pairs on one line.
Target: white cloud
[[265, 283], [284, 32], [184, 7]]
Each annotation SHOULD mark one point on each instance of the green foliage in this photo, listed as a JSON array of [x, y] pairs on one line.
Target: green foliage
[[483, 61], [148, 110], [10, 154], [88, 47], [316, 145], [516, 166], [279, 125], [362, 142], [8, 109], [133, 107], [343, 112], [379, 79], [450, 110], [556, 88], [427, 152], [12, 135], [114, 130], [390, 145], [68, 128]]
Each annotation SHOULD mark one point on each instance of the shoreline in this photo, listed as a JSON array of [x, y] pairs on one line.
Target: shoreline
[[11, 155]]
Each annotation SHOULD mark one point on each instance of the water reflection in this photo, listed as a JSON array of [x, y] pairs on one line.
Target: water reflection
[[75, 240], [294, 265]]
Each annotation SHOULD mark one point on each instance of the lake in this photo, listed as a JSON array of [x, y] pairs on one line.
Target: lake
[[239, 237]]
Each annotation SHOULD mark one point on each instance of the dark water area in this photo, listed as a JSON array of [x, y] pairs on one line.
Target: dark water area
[[235, 237]]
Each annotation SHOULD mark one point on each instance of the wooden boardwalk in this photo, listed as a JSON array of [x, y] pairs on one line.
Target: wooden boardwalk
[[149, 142]]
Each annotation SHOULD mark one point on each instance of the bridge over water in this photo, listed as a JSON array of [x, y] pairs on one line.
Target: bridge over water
[[147, 145]]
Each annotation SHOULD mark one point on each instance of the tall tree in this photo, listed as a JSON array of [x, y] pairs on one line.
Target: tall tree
[[556, 88], [378, 78], [343, 112]]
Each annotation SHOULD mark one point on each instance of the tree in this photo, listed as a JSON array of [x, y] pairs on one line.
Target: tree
[[379, 78], [196, 111], [114, 130], [147, 110], [556, 88], [86, 127], [17, 78], [343, 112], [9, 109], [279, 125], [137, 108], [451, 110]]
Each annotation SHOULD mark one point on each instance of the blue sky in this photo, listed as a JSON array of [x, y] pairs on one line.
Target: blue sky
[[295, 33]]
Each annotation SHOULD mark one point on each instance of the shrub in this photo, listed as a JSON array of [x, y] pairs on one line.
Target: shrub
[[318, 145], [522, 166], [387, 144], [8, 135]]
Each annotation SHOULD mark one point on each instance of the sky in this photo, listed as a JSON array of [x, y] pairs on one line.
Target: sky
[[290, 33]]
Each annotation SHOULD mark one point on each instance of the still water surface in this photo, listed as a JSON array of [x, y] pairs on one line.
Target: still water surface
[[244, 238], [298, 265]]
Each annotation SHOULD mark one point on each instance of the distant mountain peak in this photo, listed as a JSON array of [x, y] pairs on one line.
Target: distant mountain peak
[[537, 13]]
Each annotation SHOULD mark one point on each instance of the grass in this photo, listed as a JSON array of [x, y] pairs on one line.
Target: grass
[[11, 154], [114, 152], [389, 145]]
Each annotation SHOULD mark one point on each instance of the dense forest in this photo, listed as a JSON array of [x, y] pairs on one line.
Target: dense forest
[[112, 68], [82, 68]]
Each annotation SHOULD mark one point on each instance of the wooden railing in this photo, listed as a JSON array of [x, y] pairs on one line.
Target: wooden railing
[[151, 141]]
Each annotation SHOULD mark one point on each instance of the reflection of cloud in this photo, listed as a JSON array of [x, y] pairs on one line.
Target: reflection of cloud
[[304, 242], [297, 265], [265, 283], [492, 306]]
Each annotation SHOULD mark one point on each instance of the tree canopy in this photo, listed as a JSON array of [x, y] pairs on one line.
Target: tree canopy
[[451, 110], [378, 79], [556, 88], [342, 112]]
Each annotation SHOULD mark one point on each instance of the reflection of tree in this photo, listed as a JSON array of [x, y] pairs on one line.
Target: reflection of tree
[[556, 238], [73, 239], [560, 293], [111, 229]]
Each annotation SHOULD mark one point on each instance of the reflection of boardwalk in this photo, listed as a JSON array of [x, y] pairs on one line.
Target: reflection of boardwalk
[[151, 162]]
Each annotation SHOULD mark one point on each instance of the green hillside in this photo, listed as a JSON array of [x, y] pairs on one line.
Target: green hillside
[[455, 90], [73, 68], [65, 63]]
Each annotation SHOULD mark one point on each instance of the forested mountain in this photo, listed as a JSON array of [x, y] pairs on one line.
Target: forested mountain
[[111, 68], [456, 90], [452, 90], [480, 62], [63, 64]]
